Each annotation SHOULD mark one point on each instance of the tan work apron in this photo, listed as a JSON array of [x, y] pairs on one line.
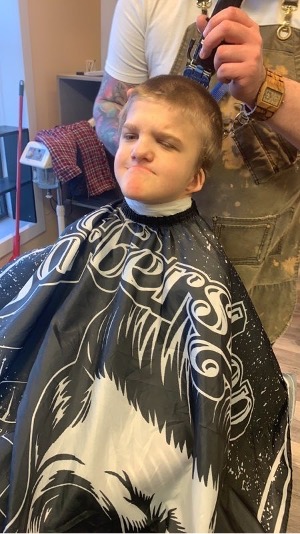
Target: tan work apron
[[251, 197]]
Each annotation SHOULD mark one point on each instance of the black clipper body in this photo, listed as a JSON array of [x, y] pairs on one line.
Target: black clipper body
[[201, 70]]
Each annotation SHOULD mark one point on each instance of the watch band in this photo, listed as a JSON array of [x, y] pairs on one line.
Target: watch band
[[269, 97]]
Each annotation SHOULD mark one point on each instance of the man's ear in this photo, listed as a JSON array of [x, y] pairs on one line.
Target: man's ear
[[197, 182]]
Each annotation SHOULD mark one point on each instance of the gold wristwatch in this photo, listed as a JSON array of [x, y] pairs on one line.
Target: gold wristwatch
[[269, 97]]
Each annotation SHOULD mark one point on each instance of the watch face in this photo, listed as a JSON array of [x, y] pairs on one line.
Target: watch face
[[272, 97]]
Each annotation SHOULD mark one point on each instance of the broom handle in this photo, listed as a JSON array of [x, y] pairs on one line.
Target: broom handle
[[16, 245]]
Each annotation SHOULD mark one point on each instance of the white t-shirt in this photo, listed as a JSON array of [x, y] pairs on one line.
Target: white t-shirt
[[146, 34]]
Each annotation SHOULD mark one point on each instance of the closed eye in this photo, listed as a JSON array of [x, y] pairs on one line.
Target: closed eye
[[167, 144]]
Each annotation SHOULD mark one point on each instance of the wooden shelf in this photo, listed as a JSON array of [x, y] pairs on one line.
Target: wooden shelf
[[76, 95]]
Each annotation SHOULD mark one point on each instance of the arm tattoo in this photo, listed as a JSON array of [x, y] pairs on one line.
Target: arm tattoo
[[111, 98]]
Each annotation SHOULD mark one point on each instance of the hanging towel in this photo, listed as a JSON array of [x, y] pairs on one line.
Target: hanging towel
[[75, 149]]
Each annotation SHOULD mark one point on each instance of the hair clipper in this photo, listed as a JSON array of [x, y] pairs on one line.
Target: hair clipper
[[201, 70]]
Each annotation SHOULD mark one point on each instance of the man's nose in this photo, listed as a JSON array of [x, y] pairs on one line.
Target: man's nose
[[142, 150]]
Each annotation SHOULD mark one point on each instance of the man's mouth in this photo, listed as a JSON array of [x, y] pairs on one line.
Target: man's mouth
[[140, 168]]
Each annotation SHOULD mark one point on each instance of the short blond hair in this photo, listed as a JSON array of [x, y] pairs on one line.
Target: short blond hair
[[193, 100]]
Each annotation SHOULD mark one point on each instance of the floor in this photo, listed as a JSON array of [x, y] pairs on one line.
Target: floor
[[287, 350]]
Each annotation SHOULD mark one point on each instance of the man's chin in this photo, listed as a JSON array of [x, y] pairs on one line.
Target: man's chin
[[137, 197]]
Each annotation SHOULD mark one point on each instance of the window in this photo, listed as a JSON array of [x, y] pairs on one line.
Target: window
[[31, 200], [3, 207], [8, 173]]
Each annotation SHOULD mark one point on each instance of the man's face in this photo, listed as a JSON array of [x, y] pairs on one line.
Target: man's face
[[157, 154]]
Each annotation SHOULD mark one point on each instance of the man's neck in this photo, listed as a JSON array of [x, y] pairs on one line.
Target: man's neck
[[160, 210]]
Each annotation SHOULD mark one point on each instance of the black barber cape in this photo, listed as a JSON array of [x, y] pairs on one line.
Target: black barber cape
[[138, 390]]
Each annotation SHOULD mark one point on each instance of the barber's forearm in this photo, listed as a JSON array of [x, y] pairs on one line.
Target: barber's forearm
[[286, 121], [106, 118]]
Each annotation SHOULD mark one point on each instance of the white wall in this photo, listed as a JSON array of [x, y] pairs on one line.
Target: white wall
[[11, 65], [107, 10], [12, 68], [56, 37]]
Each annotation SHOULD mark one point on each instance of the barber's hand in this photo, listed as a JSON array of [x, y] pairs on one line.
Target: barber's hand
[[239, 59]]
